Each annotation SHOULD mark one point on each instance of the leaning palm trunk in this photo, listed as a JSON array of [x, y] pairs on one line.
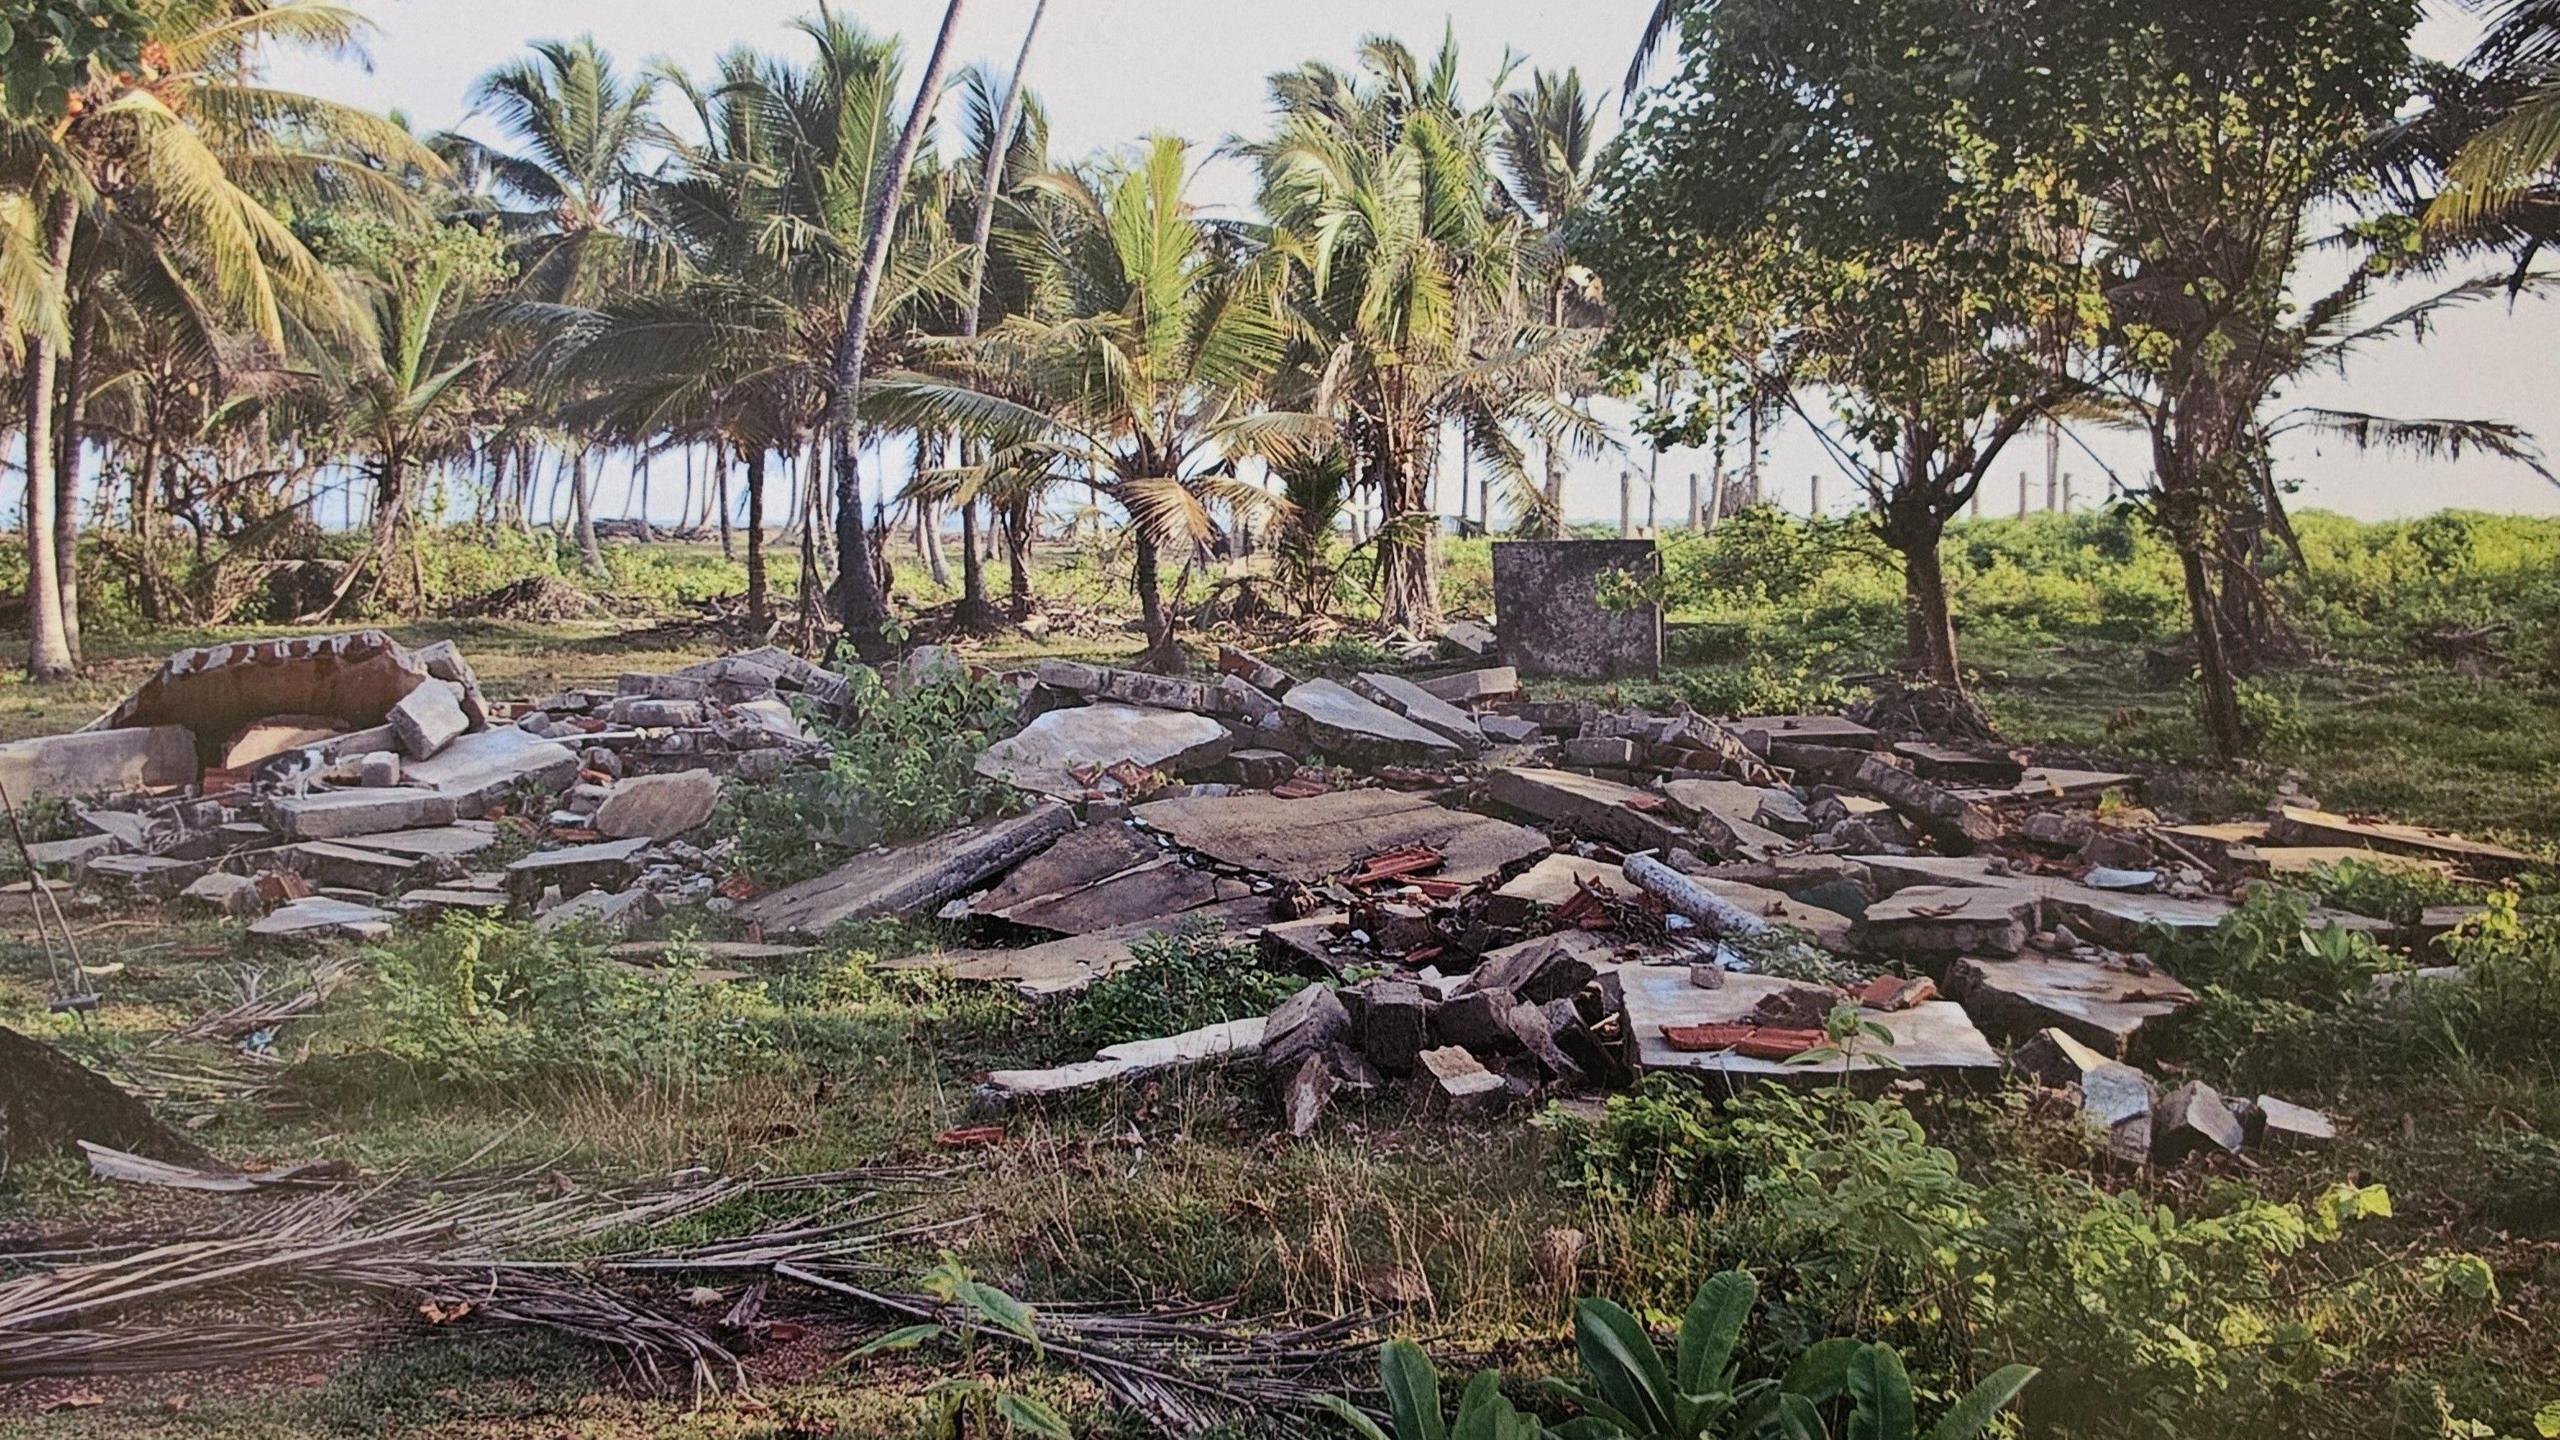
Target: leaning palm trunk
[[48, 641], [865, 602], [582, 505], [66, 475], [1162, 653], [759, 590]]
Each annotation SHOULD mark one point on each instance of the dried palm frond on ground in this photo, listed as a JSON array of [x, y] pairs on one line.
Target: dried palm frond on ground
[[278, 1277], [1905, 711]]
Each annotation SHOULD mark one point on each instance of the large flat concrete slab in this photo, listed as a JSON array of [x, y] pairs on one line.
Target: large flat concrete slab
[[99, 762], [1062, 967], [1352, 727], [1548, 610], [911, 880], [1041, 756], [2100, 1006], [482, 770], [1933, 1040], [1315, 839]]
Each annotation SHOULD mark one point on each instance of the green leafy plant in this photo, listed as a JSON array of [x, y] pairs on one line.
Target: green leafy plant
[[1412, 1387], [1182, 978], [981, 1307]]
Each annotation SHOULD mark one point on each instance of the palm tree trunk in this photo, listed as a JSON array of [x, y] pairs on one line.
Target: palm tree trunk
[[1408, 541], [720, 499], [48, 645], [641, 516], [759, 592], [1017, 556], [684, 509], [66, 474], [865, 604], [1162, 654], [582, 501]]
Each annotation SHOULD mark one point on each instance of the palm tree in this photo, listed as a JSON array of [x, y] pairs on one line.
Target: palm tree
[[865, 606], [1549, 150], [583, 132], [1379, 192], [1143, 380], [159, 181], [2518, 60]]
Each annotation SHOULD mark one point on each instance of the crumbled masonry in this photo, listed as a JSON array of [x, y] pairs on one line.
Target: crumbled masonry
[[1537, 898]]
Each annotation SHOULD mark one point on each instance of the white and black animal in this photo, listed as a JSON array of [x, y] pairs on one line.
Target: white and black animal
[[290, 770]]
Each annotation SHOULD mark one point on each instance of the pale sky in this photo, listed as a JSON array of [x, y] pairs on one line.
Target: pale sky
[[1113, 70]]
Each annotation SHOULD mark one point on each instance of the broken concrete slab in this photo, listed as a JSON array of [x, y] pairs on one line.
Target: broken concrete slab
[[1419, 705], [1578, 608], [1316, 839], [1352, 728], [1469, 687], [1309, 1090], [1043, 755], [2115, 1098], [1950, 819], [268, 738], [1932, 1040], [1460, 1080], [1306, 1026], [1393, 1021], [223, 893], [2297, 826], [57, 855], [379, 770], [1829, 732], [2046, 784], [1081, 858], [155, 877], [318, 916], [1588, 805], [217, 690], [2114, 917], [1162, 889], [613, 913], [1230, 1040], [1534, 971], [2281, 1124], [376, 872], [439, 900], [483, 770], [660, 807], [99, 762], [913, 879], [1726, 815], [1947, 920], [337, 814], [2101, 1006], [2195, 1119], [458, 841], [428, 719], [603, 865]]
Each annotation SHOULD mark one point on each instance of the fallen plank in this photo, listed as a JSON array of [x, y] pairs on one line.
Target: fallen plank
[[1230, 1040], [1315, 839], [913, 879], [1063, 967], [2295, 826]]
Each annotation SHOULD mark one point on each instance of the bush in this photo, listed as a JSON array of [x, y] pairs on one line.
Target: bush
[[1181, 979]]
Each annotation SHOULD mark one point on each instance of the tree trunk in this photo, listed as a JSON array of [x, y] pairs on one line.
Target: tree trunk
[[1929, 633], [759, 596], [2222, 724], [66, 475], [48, 644], [1408, 549], [720, 499], [1017, 558], [641, 517], [974, 616], [865, 603], [1163, 655], [582, 501]]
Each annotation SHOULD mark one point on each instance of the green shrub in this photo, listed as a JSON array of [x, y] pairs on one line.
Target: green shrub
[[1190, 975]]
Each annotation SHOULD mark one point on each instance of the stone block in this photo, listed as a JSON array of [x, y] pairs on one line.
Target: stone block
[[1549, 615], [98, 762], [658, 807], [428, 719]]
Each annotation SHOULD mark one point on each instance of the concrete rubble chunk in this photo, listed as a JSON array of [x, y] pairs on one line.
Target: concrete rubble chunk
[[2297, 825], [439, 900], [1600, 751], [914, 879], [1461, 1081], [1352, 728], [1161, 889], [1309, 1091], [1536, 1033], [428, 719], [1949, 819], [458, 841], [1592, 807], [1305, 1027], [643, 713], [1474, 685], [2103, 1006], [659, 807], [1534, 974], [1393, 1020], [1083, 857], [483, 770], [319, 916], [53, 855], [1313, 840], [379, 770], [154, 876], [1508, 730], [1261, 769], [99, 762], [330, 865], [1726, 815], [1947, 920], [1475, 1019], [2281, 1124], [1231, 1040], [2195, 1119], [336, 814], [1553, 610], [1043, 756], [2114, 1097], [222, 893], [1261, 674], [610, 912], [1466, 637], [603, 865], [1419, 705]]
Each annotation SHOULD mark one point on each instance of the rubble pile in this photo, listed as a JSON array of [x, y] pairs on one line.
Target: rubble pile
[[1495, 899], [330, 786], [1491, 898]]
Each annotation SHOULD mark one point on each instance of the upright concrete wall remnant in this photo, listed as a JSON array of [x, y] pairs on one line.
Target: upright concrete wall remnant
[[1548, 611]]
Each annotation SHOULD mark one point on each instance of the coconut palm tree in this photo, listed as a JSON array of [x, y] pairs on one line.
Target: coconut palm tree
[[1549, 150], [160, 179], [1142, 377], [2518, 61]]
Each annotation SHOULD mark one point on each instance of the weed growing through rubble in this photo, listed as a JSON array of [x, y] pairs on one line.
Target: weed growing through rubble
[[2400, 894], [1181, 979], [904, 767]]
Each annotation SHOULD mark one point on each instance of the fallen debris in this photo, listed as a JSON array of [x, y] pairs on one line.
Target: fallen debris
[[911, 879]]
